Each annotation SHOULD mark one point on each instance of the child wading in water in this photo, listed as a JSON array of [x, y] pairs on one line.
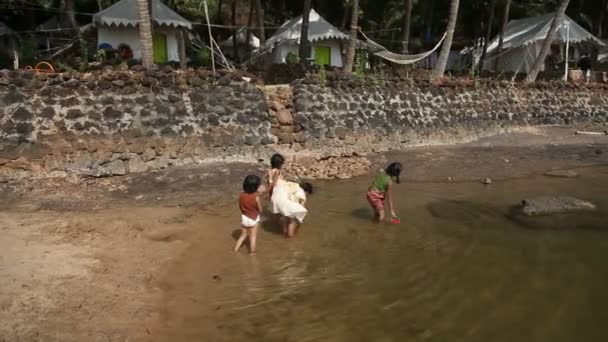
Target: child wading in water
[[381, 190], [289, 200], [275, 174], [249, 203]]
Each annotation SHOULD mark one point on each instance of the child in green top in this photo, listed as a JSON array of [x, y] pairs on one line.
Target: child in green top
[[381, 189]]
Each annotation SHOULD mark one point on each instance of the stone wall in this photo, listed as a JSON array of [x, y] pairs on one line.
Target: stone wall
[[328, 112], [119, 122]]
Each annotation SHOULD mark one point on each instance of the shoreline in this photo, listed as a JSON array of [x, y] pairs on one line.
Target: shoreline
[[98, 251]]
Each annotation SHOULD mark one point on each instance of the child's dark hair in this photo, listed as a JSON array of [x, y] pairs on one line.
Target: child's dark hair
[[307, 187], [251, 184], [394, 170], [277, 161]]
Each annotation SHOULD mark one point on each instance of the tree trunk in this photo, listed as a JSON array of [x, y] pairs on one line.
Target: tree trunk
[[442, 61], [181, 45], [70, 14], [259, 10], [407, 22], [145, 33], [352, 43], [304, 43], [249, 24], [99, 5], [540, 59], [488, 36], [503, 27], [600, 22], [235, 40]]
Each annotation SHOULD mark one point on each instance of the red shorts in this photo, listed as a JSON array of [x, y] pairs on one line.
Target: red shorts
[[376, 199]]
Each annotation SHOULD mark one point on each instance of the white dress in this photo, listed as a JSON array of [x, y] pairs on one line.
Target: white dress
[[286, 198]]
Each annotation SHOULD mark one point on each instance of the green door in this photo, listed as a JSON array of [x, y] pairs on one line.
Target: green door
[[159, 43], [322, 55]]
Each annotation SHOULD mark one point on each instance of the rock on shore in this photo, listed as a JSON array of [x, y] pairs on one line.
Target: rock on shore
[[546, 205]]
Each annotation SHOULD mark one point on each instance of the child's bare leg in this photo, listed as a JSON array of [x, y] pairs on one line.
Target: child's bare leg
[[380, 215], [240, 240], [285, 225], [291, 228], [253, 235]]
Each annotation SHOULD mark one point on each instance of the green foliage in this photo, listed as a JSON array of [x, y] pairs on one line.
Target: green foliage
[[27, 51], [292, 58], [201, 57], [359, 69], [322, 75]]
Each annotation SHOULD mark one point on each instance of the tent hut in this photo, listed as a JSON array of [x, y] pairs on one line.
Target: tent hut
[[242, 45], [117, 25], [8, 46], [324, 37], [523, 39]]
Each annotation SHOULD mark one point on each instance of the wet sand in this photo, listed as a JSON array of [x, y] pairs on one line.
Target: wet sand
[[135, 257]]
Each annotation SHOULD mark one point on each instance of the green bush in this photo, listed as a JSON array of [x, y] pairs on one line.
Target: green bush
[[292, 58]]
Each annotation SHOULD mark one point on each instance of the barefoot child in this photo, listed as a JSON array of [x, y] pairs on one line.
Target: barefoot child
[[289, 200], [249, 203], [275, 174], [381, 191]]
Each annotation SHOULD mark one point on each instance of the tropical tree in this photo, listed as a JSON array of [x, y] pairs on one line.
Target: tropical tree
[[145, 33], [259, 10], [442, 62], [352, 44], [407, 23], [304, 43], [486, 42], [540, 59], [503, 25]]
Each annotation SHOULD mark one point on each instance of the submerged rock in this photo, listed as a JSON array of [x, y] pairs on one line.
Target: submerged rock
[[547, 205], [562, 174]]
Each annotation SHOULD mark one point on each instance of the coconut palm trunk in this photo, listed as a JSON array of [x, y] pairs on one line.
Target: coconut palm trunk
[[304, 51], [235, 39], [486, 42], [505, 20], [70, 13], [442, 61], [259, 9], [352, 43], [540, 59], [407, 23], [145, 33]]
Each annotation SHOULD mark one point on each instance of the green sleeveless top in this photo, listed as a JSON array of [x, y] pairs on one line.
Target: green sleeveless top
[[381, 182]]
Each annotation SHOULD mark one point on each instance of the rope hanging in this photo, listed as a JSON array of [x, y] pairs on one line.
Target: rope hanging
[[397, 58]]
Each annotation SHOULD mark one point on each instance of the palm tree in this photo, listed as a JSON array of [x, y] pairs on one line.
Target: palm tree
[[540, 59], [235, 41], [259, 9], [503, 26], [352, 44], [304, 43], [486, 41], [145, 33], [442, 62], [70, 14], [407, 22]]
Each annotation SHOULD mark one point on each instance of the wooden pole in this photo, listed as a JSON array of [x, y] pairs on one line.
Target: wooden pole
[[210, 38]]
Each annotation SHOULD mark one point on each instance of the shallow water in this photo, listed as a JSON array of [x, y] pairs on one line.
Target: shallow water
[[457, 268]]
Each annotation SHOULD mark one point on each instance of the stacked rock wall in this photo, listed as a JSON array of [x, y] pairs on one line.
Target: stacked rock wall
[[343, 111], [119, 122]]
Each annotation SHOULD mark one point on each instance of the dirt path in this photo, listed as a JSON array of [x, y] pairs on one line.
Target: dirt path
[[85, 259]]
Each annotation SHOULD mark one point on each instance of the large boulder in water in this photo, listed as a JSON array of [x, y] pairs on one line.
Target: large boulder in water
[[546, 205]]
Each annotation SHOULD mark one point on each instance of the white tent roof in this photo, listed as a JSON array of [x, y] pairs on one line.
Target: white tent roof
[[318, 29], [124, 13], [526, 31], [241, 37]]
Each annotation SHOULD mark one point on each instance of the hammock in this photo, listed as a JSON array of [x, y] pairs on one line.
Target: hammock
[[397, 58]]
